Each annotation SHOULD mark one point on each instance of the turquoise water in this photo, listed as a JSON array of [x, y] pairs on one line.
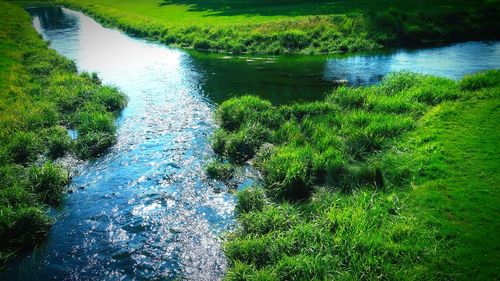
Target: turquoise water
[[146, 210]]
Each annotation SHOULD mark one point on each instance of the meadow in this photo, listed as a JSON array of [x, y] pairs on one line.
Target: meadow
[[397, 180], [41, 97], [278, 27]]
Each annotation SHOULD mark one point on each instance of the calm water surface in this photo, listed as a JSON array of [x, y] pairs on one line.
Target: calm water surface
[[146, 210], [284, 79]]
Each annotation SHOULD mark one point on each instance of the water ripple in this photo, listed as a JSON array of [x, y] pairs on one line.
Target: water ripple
[[145, 210]]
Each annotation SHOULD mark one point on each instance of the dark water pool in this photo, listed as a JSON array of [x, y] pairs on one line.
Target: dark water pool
[[284, 79], [146, 210]]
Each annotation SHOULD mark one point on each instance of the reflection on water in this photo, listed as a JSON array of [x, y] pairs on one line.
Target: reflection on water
[[451, 61], [145, 210], [285, 79]]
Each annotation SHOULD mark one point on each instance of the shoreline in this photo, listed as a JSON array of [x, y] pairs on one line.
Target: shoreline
[[155, 30]]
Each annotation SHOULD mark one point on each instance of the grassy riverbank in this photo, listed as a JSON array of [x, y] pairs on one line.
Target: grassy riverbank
[[397, 181], [276, 27], [41, 96]]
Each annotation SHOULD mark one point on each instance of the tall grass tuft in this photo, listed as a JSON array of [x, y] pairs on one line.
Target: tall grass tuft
[[332, 175]]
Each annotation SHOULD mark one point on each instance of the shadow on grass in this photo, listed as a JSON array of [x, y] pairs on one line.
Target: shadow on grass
[[261, 7], [311, 7]]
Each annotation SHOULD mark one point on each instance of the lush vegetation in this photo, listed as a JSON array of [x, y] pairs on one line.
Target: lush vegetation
[[41, 96], [275, 27], [396, 181], [220, 171]]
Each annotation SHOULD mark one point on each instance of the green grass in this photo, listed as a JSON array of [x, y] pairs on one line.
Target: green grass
[[396, 181], [220, 171], [227, 12], [462, 201], [41, 97], [277, 26]]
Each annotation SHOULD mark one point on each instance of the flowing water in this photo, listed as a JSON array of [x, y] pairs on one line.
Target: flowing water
[[146, 210]]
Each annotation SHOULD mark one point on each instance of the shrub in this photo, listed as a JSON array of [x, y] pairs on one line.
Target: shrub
[[220, 171], [49, 182], [250, 199]]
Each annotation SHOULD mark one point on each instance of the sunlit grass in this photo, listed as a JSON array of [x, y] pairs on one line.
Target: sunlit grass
[[277, 27], [371, 183], [41, 97]]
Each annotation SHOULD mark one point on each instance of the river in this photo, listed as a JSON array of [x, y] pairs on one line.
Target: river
[[146, 209]]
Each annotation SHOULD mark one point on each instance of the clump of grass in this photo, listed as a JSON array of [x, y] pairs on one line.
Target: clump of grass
[[329, 142], [22, 226], [24, 147], [94, 121], [264, 219], [478, 81], [288, 173], [91, 145], [219, 170], [250, 200], [234, 112], [334, 173], [49, 182], [243, 145], [110, 98], [57, 141]]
